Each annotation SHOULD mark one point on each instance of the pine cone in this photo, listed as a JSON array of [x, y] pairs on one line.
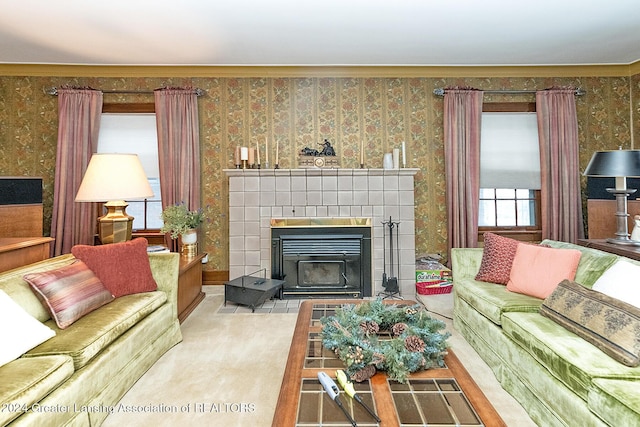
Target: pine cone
[[398, 329], [371, 327], [410, 311], [364, 373], [377, 358], [414, 343]]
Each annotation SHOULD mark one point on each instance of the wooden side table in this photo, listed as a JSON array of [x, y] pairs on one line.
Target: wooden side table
[[629, 251], [189, 285]]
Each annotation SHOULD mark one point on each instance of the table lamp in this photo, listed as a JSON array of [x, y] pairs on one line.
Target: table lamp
[[618, 164], [114, 178]]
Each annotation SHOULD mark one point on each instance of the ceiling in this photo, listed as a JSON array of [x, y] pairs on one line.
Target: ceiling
[[320, 32]]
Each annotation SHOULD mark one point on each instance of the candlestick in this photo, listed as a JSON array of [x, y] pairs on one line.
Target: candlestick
[[252, 159], [404, 156], [236, 157]]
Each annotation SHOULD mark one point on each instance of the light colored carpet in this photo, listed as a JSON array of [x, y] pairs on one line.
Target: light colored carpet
[[229, 367]]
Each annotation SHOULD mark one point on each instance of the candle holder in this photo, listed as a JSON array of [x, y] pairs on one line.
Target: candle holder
[[361, 165], [277, 166], [244, 164], [266, 165]]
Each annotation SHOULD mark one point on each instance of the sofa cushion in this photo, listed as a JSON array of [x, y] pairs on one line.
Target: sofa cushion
[[26, 381], [537, 270], [19, 332], [616, 401], [572, 360], [497, 258], [592, 261], [69, 292], [123, 267], [608, 323], [13, 283], [621, 281], [493, 300], [95, 331]]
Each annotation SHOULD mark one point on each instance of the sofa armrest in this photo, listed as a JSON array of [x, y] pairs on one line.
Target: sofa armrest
[[165, 268], [465, 262]]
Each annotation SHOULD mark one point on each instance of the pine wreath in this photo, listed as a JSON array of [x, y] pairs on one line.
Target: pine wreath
[[371, 336]]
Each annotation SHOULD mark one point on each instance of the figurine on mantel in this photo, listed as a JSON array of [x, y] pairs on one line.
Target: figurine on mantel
[[327, 150], [310, 157]]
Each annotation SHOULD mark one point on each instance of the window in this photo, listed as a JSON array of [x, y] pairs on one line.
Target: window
[[135, 132], [509, 170]]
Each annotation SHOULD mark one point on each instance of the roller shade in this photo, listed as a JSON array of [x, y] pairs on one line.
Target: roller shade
[[509, 151], [131, 133]]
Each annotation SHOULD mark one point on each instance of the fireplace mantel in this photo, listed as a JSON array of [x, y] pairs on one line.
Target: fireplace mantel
[[258, 195]]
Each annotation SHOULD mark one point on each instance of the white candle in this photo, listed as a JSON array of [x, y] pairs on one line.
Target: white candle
[[266, 150], [277, 151], [396, 158], [244, 153], [404, 156], [257, 152], [362, 152]]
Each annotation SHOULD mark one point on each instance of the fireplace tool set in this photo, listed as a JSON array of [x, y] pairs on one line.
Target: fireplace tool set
[[390, 283]]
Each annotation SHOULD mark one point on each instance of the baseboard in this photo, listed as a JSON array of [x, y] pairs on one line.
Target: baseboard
[[215, 277]]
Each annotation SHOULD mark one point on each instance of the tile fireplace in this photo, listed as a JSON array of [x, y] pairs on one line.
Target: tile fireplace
[[262, 200]]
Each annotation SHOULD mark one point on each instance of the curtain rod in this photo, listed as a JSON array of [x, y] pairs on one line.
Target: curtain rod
[[441, 91], [54, 91]]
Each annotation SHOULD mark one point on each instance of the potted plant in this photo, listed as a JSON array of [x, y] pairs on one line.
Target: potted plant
[[180, 221]]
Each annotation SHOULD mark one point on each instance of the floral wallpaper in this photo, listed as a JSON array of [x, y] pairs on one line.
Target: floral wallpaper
[[298, 112]]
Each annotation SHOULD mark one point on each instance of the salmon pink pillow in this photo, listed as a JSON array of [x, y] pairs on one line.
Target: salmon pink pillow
[[537, 270], [123, 268]]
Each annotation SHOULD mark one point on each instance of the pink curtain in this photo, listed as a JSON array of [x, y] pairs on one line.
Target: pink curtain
[[561, 205], [79, 113], [462, 118], [178, 147]]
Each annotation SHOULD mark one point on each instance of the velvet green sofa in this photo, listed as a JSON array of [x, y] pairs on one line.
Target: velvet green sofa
[[77, 377], [559, 378]]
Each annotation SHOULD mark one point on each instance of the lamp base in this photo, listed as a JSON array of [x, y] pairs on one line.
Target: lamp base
[[622, 241], [622, 232], [116, 225]]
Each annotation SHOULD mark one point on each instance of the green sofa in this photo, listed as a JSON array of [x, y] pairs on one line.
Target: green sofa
[[77, 377], [559, 378]]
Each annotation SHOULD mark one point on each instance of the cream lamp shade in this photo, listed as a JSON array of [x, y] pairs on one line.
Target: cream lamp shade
[[618, 164], [114, 178]]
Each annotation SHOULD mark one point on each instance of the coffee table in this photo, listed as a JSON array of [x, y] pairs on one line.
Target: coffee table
[[441, 396]]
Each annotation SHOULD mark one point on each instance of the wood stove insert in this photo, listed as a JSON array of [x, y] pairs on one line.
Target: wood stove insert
[[322, 257]]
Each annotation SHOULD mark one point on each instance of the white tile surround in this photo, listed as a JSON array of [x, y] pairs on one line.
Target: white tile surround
[[258, 195]]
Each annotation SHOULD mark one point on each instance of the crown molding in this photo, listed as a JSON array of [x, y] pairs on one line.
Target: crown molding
[[48, 70]]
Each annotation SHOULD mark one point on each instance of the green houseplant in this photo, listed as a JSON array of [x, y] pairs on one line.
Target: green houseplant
[[178, 220]]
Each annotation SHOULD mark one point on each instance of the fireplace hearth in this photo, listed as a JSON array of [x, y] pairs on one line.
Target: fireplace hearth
[[322, 257]]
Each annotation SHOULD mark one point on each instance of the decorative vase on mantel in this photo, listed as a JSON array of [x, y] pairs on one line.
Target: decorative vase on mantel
[[189, 242]]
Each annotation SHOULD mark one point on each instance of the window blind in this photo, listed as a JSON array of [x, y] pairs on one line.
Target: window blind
[[509, 151]]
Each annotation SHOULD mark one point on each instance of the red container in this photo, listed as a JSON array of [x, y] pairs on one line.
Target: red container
[[434, 288]]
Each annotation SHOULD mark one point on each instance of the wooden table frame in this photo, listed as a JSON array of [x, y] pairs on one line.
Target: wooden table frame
[[287, 407]]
